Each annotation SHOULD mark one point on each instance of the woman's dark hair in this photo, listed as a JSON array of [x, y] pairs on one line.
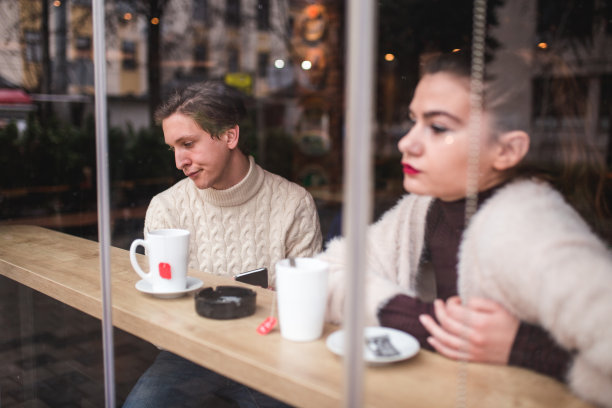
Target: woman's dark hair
[[560, 152], [214, 106]]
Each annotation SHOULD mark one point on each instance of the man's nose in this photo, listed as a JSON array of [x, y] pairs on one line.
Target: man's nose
[[181, 159]]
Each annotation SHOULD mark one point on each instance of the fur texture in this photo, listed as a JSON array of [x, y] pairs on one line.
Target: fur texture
[[525, 248]]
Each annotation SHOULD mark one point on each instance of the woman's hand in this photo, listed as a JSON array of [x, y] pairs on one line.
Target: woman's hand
[[480, 331]]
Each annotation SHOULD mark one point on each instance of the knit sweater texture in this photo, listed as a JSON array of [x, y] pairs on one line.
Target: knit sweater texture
[[255, 223], [526, 249]]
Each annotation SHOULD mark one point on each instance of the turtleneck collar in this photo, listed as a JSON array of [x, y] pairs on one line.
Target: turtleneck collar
[[239, 193], [455, 210]]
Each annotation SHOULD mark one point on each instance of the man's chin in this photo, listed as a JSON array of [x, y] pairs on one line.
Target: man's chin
[[200, 184]]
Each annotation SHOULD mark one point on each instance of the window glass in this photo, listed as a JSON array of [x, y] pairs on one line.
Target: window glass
[[201, 11], [263, 14], [232, 13], [287, 57]]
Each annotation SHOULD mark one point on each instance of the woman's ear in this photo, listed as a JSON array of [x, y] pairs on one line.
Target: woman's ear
[[513, 146], [233, 135]]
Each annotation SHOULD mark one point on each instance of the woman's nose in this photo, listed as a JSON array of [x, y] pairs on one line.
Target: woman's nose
[[410, 143]]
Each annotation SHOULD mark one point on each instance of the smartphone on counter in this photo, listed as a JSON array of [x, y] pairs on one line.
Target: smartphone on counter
[[257, 277]]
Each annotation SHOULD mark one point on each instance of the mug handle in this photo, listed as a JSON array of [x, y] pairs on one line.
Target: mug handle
[[134, 261]]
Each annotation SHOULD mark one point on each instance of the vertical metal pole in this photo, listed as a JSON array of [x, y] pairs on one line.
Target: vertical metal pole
[[103, 180], [479, 25], [358, 185]]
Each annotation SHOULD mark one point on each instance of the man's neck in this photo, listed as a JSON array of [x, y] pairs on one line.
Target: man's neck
[[238, 167]]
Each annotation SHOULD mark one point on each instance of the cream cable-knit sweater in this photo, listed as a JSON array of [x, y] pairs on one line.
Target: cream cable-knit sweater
[[526, 249], [260, 220]]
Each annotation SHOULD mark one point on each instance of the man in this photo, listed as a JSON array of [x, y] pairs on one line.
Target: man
[[240, 216]]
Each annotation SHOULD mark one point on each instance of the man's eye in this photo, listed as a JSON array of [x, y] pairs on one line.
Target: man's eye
[[188, 144]]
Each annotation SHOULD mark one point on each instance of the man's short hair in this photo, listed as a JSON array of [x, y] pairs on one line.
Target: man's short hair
[[214, 106]]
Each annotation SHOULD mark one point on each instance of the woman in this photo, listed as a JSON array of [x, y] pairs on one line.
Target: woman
[[526, 282]]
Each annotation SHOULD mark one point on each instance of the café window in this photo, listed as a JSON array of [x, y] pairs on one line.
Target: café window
[[565, 19], [263, 15], [290, 58], [233, 60], [232, 13], [33, 46], [263, 61], [128, 52], [607, 13], [200, 56], [83, 43], [551, 98], [605, 112], [201, 11]]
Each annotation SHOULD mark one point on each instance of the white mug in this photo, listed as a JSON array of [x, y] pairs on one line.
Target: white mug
[[168, 253], [302, 297]]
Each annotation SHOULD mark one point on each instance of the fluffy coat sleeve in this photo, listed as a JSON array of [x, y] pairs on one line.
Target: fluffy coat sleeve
[[391, 263], [530, 251]]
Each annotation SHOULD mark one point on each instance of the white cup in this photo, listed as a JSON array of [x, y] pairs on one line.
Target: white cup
[[168, 253], [302, 296]]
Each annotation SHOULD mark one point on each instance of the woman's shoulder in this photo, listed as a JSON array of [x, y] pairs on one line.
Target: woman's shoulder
[[528, 186], [529, 204], [527, 193]]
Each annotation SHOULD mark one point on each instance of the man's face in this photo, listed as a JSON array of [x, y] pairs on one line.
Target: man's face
[[205, 160]]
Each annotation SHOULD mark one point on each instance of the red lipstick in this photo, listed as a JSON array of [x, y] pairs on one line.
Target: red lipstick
[[408, 169]]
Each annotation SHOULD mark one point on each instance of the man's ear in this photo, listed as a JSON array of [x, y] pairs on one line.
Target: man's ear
[[513, 146], [233, 135]]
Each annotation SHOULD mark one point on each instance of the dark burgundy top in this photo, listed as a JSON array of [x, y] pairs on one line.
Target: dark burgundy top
[[533, 348]]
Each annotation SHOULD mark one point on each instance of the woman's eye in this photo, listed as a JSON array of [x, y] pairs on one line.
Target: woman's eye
[[437, 129], [410, 124]]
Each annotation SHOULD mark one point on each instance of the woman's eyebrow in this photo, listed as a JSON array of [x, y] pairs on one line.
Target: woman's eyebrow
[[430, 114]]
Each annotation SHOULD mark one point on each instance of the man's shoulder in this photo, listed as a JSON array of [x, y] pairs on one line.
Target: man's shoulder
[[277, 181], [176, 190]]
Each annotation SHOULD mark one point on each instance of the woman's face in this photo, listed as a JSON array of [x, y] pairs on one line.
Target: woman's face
[[435, 150]]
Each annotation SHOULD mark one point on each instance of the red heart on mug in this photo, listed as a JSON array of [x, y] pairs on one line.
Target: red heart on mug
[[165, 271]]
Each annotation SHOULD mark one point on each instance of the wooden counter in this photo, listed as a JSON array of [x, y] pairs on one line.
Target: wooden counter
[[67, 268]]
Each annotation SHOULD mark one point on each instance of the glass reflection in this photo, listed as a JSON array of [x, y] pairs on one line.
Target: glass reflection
[[295, 127]]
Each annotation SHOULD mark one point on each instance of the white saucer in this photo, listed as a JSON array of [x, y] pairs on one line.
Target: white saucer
[[405, 344], [192, 284]]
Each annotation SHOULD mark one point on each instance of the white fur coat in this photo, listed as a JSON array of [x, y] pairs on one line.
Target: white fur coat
[[525, 248]]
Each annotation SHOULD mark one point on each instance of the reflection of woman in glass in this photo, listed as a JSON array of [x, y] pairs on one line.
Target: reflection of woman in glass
[[525, 283]]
